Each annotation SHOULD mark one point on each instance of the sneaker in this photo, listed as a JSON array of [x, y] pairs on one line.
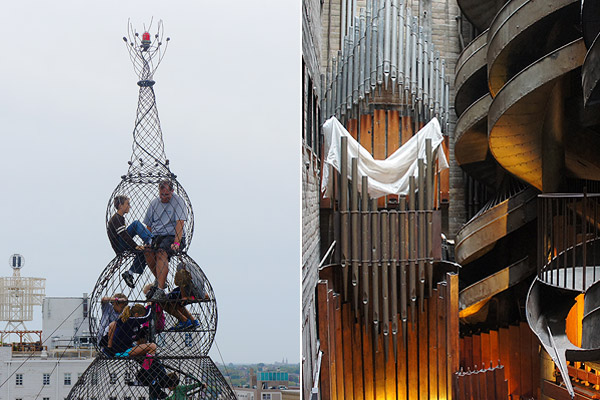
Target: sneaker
[[150, 292], [158, 295], [195, 323], [180, 326], [128, 278]]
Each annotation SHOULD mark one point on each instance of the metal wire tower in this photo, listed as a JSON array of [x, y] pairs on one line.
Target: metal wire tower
[[182, 351]]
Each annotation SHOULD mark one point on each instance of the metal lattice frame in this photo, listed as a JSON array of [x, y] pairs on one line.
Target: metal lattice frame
[[180, 349], [108, 379]]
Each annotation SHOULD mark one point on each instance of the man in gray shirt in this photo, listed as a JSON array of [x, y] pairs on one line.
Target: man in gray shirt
[[165, 218]]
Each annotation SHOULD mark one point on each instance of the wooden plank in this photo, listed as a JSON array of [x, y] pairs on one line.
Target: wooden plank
[[535, 365], [347, 350], [490, 385], [393, 137], [332, 344], [504, 339], [379, 142], [401, 367], [476, 352], [485, 350], [554, 391], [441, 338], [433, 345], [494, 349], [357, 364], [390, 369], [475, 382], [379, 134], [379, 369], [413, 359], [501, 383], [525, 362], [462, 352], [460, 385], [515, 368], [339, 349], [468, 352], [407, 130], [368, 362], [366, 132], [468, 386], [324, 330], [452, 330], [423, 353], [352, 127]]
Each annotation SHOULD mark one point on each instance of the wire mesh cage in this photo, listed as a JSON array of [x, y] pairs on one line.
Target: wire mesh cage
[[150, 378], [167, 326], [141, 190], [153, 313]]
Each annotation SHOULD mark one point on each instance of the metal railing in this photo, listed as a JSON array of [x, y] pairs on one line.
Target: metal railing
[[568, 245]]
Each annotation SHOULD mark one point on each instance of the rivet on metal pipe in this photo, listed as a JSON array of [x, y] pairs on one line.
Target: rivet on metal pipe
[[385, 279], [355, 235], [366, 248], [375, 256], [344, 214]]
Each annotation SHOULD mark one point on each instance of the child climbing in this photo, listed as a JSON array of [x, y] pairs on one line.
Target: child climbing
[[121, 238]]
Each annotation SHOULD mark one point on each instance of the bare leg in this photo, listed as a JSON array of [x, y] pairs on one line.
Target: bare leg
[[151, 261], [184, 311], [174, 311], [162, 268], [140, 350]]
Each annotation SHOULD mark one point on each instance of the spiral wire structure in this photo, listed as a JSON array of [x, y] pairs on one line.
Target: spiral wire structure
[[148, 345]]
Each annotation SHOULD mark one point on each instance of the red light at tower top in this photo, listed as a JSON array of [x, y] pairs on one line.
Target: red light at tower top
[[145, 41]]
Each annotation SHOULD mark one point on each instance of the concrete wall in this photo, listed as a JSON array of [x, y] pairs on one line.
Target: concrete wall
[[55, 310]]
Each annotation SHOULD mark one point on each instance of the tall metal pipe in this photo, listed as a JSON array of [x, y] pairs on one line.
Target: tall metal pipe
[[385, 278], [368, 50], [404, 292], [356, 62], [380, 41], [426, 78], [431, 79], [344, 22], [339, 88], [407, 51], [394, 43], [413, 59], [361, 62], [412, 248], [420, 232], [350, 69], [436, 77], [387, 41], [355, 234], [401, 45], [344, 214], [375, 267], [374, 42], [395, 256], [420, 65], [366, 251], [429, 207]]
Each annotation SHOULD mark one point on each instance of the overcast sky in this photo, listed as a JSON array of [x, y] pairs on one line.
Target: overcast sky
[[228, 96]]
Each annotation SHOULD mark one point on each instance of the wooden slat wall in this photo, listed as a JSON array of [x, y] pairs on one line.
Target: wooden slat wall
[[419, 371], [515, 348]]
